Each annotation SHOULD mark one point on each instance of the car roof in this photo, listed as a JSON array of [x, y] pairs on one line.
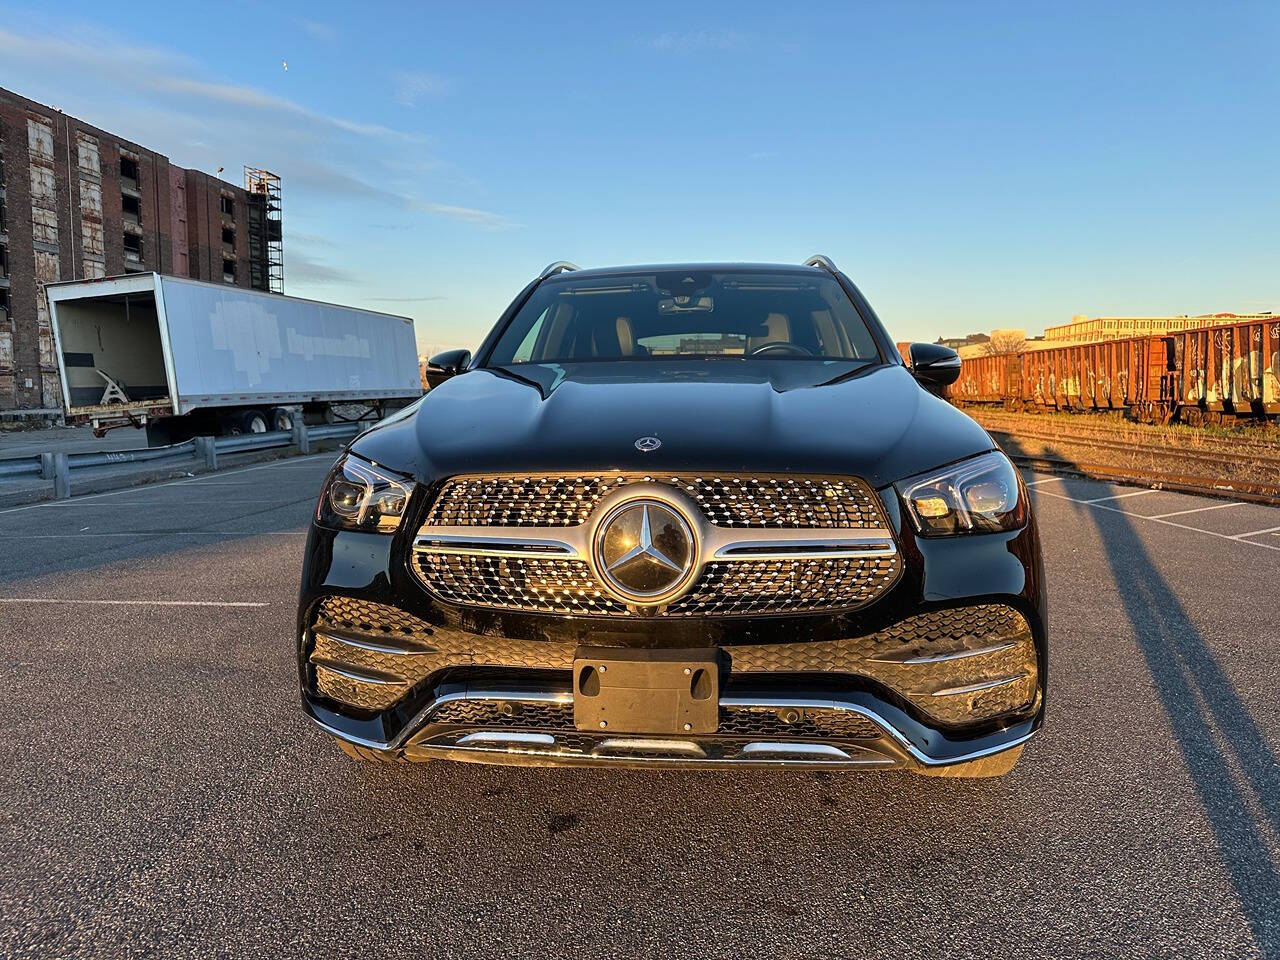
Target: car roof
[[692, 267]]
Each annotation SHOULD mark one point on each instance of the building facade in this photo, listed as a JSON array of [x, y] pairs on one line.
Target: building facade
[[78, 202]]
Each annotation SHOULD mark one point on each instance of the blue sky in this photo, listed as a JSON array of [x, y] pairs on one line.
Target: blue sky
[[970, 165]]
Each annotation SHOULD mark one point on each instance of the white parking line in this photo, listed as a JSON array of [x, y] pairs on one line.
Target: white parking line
[[1168, 523], [1178, 513], [73, 601], [1121, 496], [167, 483], [1032, 483], [1255, 533]]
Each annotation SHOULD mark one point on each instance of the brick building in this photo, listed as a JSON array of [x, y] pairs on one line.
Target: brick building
[[79, 202]]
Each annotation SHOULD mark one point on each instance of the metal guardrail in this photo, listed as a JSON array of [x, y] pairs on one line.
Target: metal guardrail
[[59, 467]]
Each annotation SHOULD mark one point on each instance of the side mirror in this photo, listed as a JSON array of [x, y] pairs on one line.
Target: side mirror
[[445, 365], [934, 365]]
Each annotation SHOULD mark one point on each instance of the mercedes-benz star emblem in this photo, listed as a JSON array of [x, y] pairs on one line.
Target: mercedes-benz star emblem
[[648, 444], [644, 551]]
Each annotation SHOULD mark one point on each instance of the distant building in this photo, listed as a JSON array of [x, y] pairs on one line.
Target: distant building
[[77, 202], [1084, 329], [955, 343]]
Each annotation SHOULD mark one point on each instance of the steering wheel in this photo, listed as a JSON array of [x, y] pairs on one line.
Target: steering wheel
[[781, 346]]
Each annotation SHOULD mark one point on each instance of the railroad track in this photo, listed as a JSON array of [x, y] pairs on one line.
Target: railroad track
[[1061, 428], [1211, 484]]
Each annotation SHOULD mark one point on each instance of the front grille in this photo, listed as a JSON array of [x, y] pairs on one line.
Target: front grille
[[727, 500], [533, 512]]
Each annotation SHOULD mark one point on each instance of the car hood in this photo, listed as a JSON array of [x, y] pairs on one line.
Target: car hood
[[877, 423]]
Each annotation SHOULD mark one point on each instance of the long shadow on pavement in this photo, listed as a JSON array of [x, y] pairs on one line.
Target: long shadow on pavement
[[1211, 724]]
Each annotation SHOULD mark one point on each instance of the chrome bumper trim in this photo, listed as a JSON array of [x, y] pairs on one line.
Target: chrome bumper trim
[[689, 751]]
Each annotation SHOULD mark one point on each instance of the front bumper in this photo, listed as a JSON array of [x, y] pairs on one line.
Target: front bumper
[[940, 687]]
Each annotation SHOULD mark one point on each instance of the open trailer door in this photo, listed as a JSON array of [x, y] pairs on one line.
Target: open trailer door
[[113, 350]]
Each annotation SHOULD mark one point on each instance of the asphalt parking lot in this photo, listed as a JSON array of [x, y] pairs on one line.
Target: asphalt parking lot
[[163, 793]]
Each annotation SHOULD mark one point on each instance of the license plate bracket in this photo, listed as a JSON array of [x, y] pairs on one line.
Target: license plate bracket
[[646, 691]]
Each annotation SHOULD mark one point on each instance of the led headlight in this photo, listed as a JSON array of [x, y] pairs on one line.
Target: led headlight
[[977, 496], [359, 496]]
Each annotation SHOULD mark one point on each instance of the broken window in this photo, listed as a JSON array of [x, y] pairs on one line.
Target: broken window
[[229, 271], [4, 261], [229, 236], [87, 151], [132, 248], [128, 172], [4, 217], [4, 303], [228, 206], [40, 138], [92, 238], [132, 209], [90, 199], [44, 225], [43, 185]]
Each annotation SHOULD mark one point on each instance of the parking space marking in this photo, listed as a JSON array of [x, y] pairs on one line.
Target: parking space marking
[[1032, 483], [1178, 513], [73, 601], [167, 483], [1121, 496], [1170, 523], [1254, 533]]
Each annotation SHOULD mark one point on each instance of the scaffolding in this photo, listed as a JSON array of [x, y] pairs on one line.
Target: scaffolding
[[266, 241]]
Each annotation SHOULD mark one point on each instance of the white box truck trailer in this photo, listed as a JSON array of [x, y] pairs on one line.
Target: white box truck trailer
[[182, 357]]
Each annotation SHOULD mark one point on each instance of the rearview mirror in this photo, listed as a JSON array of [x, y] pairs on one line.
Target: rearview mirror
[[934, 365], [445, 365]]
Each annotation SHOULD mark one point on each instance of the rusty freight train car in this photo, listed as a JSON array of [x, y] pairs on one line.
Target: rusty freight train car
[[1230, 370]]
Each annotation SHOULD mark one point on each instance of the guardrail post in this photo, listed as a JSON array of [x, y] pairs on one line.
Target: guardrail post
[[46, 466], [61, 477], [207, 451], [300, 438]]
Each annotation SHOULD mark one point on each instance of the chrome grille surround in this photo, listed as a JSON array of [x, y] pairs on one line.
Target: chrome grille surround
[[761, 546]]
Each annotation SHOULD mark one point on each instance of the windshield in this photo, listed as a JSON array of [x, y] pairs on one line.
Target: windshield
[[683, 313]]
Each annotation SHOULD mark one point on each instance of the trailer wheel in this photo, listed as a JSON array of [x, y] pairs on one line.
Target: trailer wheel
[[254, 421], [281, 419]]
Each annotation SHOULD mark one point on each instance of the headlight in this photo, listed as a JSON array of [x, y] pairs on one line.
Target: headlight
[[359, 496], [977, 496]]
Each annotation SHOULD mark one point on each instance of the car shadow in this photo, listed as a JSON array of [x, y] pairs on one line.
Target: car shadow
[[1232, 768]]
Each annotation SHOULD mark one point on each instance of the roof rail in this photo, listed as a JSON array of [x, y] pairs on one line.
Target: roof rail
[[819, 260], [560, 266]]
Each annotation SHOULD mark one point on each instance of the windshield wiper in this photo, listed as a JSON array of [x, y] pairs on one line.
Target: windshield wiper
[[861, 365], [520, 378]]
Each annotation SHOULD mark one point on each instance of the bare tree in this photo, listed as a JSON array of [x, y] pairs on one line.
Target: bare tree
[[1004, 343]]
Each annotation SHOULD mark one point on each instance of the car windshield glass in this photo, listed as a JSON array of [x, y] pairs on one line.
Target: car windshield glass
[[686, 314]]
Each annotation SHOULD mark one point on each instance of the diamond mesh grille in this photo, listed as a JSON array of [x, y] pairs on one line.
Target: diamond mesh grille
[[727, 500], [743, 587]]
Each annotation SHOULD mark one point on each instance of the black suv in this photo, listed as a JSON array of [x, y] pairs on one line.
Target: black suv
[[679, 515]]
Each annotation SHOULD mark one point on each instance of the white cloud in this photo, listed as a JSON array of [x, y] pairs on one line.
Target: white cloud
[[318, 30], [412, 87], [159, 98]]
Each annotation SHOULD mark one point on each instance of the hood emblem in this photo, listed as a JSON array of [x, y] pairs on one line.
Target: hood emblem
[[648, 444], [644, 551]]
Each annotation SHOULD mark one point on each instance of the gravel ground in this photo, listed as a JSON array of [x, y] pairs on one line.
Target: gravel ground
[[163, 794]]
